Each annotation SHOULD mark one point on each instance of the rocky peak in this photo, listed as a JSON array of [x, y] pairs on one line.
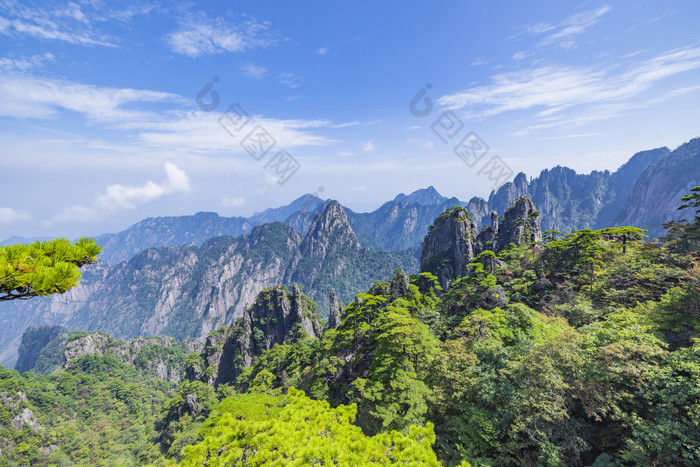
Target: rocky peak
[[336, 311], [478, 209], [499, 200], [425, 196], [330, 227], [275, 317], [520, 224], [449, 246]]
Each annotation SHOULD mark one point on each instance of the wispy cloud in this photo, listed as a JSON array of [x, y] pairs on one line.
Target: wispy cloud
[[322, 50], [118, 197], [66, 22], [369, 146], [11, 64], [201, 35], [11, 216], [25, 96], [289, 79], [233, 202], [254, 71], [563, 32], [552, 89], [172, 128]]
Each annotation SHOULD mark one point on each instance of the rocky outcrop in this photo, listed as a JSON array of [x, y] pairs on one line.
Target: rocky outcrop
[[26, 417], [478, 210], [335, 313], [452, 240], [449, 246], [276, 316], [94, 343], [159, 357], [13, 400], [520, 224]]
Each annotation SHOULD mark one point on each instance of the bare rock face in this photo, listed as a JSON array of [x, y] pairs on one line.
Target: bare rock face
[[26, 417], [12, 401], [91, 344], [449, 246], [192, 404], [275, 317], [478, 209], [452, 240], [656, 194], [335, 314], [520, 224], [152, 356]]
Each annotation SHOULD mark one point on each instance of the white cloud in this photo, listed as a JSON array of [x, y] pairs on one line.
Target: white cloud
[[66, 22], [28, 97], [11, 215], [169, 129], [552, 89], [520, 55], [42, 32], [322, 50], [205, 36], [9, 64], [369, 146], [253, 71], [233, 202], [359, 188], [289, 79], [577, 24], [118, 197], [563, 32]]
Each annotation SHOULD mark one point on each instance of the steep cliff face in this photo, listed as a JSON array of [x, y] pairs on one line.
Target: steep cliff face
[[331, 257], [452, 240], [478, 210], [188, 291], [449, 246], [275, 317], [655, 196], [335, 314], [520, 224], [622, 182]]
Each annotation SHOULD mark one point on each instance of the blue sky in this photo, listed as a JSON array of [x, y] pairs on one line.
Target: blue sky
[[101, 126]]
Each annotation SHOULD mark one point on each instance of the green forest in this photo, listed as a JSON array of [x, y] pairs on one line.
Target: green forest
[[582, 349]]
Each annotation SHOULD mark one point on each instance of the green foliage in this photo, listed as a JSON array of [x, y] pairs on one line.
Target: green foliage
[[43, 268], [295, 430], [97, 411], [583, 350]]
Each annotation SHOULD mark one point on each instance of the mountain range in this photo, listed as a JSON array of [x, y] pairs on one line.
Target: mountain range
[[185, 276]]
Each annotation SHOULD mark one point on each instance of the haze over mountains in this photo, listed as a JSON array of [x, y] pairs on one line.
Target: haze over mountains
[[185, 276]]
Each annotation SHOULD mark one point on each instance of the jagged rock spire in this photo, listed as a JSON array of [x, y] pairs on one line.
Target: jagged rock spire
[[336, 311], [448, 247]]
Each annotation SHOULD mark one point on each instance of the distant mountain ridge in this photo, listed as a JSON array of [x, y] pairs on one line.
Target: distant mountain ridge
[[567, 200], [189, 290]]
